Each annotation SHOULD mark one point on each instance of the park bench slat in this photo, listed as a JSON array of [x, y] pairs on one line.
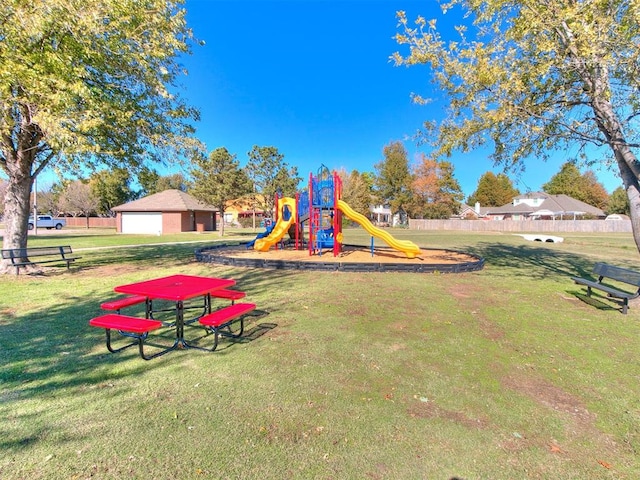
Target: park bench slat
[[607, 273], [22, 257]]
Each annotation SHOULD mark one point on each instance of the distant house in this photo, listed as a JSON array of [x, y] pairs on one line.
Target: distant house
[[244, 208], [542, 206], [472, 213], [534, 206], [171, 211], [381, 215]]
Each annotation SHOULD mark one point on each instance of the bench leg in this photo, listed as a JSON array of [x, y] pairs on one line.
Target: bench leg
[[225, 330], [139, 340], [115, 350], [625, 306]]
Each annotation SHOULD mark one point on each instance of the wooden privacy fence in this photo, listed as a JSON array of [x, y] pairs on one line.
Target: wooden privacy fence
[[94, 222], [538, 226]]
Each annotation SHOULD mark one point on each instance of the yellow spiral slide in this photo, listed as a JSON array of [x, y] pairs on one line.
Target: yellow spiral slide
[[407, 247]]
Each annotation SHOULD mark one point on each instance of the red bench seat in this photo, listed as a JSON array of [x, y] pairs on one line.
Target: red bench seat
[[232, 295], [222, 319], [125, 325], [120, 303]]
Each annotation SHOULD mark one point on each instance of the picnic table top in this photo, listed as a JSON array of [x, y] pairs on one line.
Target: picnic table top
[[176, 287]]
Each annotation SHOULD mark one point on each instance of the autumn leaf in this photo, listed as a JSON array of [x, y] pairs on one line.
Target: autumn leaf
[[555, 449]]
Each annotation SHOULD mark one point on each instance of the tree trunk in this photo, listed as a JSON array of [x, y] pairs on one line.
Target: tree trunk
[[221, 221], [628, 165], [16, 215], [632, 187]]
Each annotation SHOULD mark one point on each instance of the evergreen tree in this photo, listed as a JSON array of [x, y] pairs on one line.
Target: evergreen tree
[[152, 182], [356, 191], [217, 179], [584, 187], [393, 181], [110, 188], [618, 202], [493, 191], [270, 174]]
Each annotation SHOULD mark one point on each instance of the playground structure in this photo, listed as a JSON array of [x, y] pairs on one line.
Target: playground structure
[[322, 208]]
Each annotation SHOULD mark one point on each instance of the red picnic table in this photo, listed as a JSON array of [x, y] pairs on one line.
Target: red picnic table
[[178, 289]]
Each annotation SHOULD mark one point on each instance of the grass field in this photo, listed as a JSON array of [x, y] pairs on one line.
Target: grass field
[[505, 373]]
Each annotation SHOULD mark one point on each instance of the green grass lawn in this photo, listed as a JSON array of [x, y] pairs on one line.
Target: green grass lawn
[[503, 373]]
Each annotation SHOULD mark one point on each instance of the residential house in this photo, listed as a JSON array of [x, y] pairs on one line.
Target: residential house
[[472, 213], [543, 206], [171, 211], [247, 208]]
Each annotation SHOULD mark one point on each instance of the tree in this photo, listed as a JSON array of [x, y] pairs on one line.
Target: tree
[[532, 77], [584, 187], [148, 180], [618, 202], [174, 181], [84, 85], [356, 191], [77, 199], [152, 182], [48, 199], [595, 193], [393, 180], [270, 174], [218, 179], [436, 192], [111, 188], [493, 191]]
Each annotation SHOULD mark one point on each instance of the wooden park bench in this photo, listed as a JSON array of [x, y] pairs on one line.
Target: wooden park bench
[[22, 257], [612, 280]]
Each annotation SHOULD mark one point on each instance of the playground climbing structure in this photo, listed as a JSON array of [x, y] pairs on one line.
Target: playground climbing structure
[[323, 208], [325, 220]]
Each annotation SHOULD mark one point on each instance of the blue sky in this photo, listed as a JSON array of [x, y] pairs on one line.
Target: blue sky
[[313, 78]]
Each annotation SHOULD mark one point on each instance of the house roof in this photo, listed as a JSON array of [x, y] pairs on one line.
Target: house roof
[[464, 209], [564, 204], [167, 201], [550, 206], [510, 208]]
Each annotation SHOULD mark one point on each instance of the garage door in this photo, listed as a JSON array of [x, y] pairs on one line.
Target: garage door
[[142, 222]]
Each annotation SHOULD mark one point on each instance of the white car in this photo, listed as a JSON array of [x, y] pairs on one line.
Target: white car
[[48, 222]]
